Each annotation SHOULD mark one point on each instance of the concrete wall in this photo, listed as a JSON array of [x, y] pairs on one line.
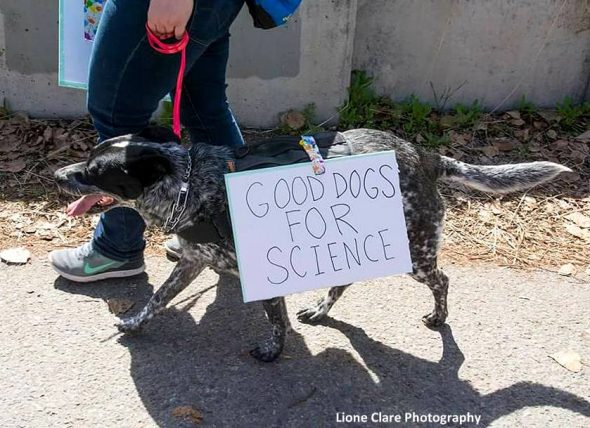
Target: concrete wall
[[28, 60], [497, 49], [309, 61]]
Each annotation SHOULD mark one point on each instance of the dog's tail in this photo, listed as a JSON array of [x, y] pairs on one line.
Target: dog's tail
[[499, 178]]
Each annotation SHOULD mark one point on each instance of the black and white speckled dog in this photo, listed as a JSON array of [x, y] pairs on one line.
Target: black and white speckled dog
[[149, 176]]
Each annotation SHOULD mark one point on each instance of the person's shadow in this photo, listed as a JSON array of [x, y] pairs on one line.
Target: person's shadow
[[205, 365], [136, 289]]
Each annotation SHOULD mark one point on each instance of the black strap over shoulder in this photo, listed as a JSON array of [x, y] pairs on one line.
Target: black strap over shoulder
[[276, 151], [285, 150], [214, 230]]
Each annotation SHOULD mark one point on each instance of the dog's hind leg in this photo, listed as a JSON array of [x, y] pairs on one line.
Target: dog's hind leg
[[425, 234], [438, 283], [315, 313], [185, 271], [276, 311]]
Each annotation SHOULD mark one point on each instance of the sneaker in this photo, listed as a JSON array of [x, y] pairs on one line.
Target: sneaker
[[173, 249], [84, 264]]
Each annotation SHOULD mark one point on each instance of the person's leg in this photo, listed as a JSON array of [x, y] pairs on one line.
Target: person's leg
[[128, 79], [126, 82], [205, 111]]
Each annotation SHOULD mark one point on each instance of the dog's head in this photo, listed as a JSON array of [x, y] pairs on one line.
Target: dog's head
[[122, 168]]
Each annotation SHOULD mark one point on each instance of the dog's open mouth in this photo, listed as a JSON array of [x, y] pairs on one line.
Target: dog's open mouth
[[87, 203]]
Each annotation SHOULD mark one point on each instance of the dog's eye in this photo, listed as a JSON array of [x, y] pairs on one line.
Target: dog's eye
[[80, 178]]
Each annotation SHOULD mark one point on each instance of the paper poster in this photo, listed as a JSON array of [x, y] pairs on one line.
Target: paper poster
[[296, 231], [92, 13], [78, 21]]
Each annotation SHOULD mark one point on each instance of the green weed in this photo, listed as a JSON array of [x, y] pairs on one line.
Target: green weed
[[416, 115], [526, 107], [5, 111], [309, 122], [359, 109], [441, 100], [416, 120], [309, 113], [467, 116], [573, 115]]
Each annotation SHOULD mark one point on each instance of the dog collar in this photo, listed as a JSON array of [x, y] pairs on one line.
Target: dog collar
[[180, 205]]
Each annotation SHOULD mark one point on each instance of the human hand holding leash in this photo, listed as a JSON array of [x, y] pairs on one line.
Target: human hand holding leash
[[168, 18]]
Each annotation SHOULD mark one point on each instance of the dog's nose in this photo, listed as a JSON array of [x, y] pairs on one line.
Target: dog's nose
[[68, 172], [60, 174]]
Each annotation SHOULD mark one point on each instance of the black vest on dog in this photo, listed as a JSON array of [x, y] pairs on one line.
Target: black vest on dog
[[276, 151]]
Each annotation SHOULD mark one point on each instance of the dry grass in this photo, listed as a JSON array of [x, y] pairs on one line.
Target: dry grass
[[528, 231]]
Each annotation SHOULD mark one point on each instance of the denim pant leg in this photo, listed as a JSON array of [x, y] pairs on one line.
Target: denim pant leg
[[126, 82], [205, 111]]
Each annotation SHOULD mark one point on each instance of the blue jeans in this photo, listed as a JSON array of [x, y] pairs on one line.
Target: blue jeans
[[128, 79]]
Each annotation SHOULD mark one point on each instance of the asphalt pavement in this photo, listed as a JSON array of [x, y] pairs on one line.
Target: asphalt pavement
[[62, 365]]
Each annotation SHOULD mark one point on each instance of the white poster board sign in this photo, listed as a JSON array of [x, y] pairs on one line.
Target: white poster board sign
[[74, 48], [296, 231]]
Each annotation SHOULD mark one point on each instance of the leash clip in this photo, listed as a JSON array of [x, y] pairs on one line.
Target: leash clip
[[177, 209], [182, 197], [313, 151], [180, 205]]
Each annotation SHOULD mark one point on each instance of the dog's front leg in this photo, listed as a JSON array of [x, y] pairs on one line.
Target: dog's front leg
[[276, 311], [185, 271]]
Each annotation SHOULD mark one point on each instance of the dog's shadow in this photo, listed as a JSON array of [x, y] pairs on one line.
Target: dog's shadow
[[205, 365], [412, 384]]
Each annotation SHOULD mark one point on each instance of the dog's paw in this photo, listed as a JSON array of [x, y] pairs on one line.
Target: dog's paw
[[312, 315], [128, 326], [434, 319], [267, 352]]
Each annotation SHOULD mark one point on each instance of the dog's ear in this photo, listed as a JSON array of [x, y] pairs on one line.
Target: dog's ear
[[147, 165], [128, 188], [141, 170], [159, 134], [127, 168]]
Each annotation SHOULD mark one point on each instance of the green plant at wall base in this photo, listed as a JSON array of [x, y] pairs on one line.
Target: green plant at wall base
[[309, 112], [441, 100], [303, 122], [415, 115], [467, 116], [419, 122], [5, 111], [573, 115], [359, 109], [526, 107]]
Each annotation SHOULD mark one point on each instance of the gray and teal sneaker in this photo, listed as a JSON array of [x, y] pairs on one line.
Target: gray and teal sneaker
[[173, 249], [84, 264]]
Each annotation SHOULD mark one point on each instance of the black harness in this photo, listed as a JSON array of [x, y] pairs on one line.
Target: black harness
[[276, 151]]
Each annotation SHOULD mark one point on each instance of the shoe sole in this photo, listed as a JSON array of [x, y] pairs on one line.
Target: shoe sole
[[172, 255], [98, 277]]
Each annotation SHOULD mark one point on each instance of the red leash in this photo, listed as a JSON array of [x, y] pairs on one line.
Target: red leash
[[170, 49]]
